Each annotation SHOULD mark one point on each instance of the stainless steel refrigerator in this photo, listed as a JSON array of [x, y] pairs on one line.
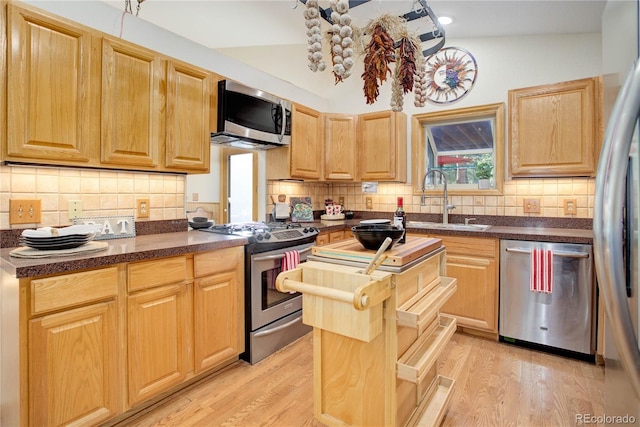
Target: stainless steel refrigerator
[[616, 213]]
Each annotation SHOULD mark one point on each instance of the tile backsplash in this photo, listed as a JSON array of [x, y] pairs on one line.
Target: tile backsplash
[[551, 192], [111, 193], [102, 192]]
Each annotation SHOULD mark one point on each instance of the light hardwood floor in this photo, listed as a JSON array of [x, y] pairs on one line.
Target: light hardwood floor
[[496, 384]]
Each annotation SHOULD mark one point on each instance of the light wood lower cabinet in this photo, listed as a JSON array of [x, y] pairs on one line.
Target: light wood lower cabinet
[[74, 364], [473, 262], [101, 342], [333, 236], [156, 341], [218, 307]]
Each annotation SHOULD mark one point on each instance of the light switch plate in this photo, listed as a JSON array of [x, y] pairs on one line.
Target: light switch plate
[[25, 211], [531, 205]]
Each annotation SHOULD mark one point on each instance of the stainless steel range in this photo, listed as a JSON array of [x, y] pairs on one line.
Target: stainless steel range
[[273, 319]]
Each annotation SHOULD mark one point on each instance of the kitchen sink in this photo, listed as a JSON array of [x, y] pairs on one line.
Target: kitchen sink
[[440, 226]]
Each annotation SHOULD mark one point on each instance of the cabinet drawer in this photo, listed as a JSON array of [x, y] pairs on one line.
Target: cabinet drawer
[[68, 290], [217, 261], [480, 246], [149, 274], [421, 277], [417, 312]]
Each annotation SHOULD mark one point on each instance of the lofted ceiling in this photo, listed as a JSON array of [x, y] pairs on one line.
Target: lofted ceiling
[[221, 24]]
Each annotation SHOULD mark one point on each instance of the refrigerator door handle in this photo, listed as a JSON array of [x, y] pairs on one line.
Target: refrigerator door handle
[[607, 223]]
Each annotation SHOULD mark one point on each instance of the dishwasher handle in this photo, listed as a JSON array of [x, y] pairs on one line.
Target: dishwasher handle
[[563, 254]]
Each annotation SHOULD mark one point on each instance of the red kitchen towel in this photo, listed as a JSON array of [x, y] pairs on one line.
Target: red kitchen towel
[[541, 271], [290, 260]]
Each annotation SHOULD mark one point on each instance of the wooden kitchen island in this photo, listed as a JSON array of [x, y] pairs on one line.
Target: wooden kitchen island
[[377, 337]]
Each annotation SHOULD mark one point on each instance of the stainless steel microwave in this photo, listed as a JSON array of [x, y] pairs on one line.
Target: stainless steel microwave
[[250, 118]]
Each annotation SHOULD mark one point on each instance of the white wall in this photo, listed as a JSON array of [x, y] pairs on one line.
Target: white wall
[[206, 185], [101, 16], [503, 63]]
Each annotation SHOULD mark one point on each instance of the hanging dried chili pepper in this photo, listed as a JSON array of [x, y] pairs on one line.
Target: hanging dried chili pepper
[[376, 62], [406, 64]]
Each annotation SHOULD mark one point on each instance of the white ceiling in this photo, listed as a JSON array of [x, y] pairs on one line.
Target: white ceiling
[[242, 23]]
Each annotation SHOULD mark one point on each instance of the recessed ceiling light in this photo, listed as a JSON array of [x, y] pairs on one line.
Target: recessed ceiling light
[[445, 20]]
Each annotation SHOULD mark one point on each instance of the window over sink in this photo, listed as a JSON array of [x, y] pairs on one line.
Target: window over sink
[[465, 144]]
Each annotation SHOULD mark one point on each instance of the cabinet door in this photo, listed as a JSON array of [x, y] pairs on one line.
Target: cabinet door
[[218, 318], [132, 104], [187, 119], [554, 129], [52, 110], [474, 303], [157, 322], [340, 147], [73, 367], [382, 146], [307, 143]]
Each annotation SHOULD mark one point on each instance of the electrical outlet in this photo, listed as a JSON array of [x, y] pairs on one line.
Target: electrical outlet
[[195, 197], [531, 205], [570, 207], [75, 209], [25, 211], [341, 200], [142, 208], [369, 202]]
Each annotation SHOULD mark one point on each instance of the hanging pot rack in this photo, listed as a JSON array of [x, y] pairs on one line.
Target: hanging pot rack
[[424, 11]]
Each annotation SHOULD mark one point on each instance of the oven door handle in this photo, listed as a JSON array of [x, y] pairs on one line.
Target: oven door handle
[[278, 328], [279, 256]]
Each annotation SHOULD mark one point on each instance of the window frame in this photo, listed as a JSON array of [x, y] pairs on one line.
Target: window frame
[[418, 145]]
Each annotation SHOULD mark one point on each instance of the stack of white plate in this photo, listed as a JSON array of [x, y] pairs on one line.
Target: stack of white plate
[[57, 242], [48, 238]]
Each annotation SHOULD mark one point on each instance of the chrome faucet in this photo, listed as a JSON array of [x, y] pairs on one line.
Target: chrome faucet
[[446, 207]]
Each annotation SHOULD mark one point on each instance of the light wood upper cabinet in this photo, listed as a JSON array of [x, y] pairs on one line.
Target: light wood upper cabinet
[[340, 147], [382, 146], [79, 97], [51, 68], [307, 143], [555, 129], [132, 104], [188, 116]]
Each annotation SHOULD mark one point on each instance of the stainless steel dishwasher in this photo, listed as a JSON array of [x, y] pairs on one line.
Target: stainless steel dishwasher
[[563, 319]]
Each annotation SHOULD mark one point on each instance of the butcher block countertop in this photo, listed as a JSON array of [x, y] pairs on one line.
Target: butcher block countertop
[[399, 255], [120, 250]]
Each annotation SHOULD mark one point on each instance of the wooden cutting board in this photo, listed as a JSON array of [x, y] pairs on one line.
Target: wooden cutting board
[[398, 255]]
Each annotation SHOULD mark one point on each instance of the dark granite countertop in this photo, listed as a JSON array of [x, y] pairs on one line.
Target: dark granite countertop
[[168, 243], [120, 250], [554, 230]]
